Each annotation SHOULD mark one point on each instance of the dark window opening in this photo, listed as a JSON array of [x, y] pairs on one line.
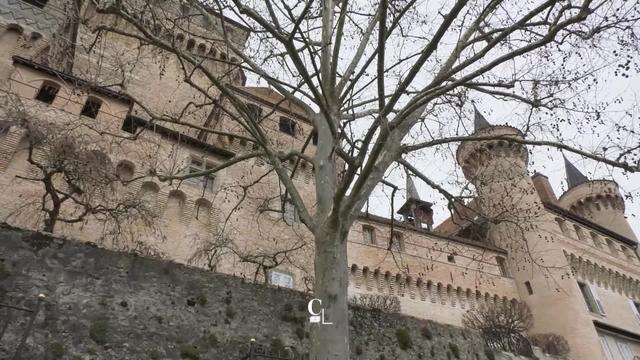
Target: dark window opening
[[529, 288], [451, 258], [191, 44], [129, 125], [47, 93], [287, 126], [37, 3], [502, 266], [91, 108], [314, 137]]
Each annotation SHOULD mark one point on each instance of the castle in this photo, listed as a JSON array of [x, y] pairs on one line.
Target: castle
[[573, 259]]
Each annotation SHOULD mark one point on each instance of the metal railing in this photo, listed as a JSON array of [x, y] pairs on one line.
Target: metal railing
[[29, 328]]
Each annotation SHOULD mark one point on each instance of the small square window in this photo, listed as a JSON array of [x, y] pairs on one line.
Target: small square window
[[287, 126], [47, 93], [451, 258], [129, 125], [368, 234], [91, 108], [206, 181]]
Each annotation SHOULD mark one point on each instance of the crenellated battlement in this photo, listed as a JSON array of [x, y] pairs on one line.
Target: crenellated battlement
[[593, 196], [427, 290], [473, 155]]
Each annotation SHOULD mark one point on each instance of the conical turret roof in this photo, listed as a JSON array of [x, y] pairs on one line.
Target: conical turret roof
[[412, 192], [574, 176], [479, 121]]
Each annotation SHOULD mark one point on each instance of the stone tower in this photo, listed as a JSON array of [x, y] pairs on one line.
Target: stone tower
[[508, 200], [415, 210], [599, 201]]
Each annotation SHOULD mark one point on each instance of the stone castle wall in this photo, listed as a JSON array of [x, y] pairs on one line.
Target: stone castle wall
[[102, 304]]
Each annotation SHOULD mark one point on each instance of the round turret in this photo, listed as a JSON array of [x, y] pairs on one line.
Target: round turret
[[599, 201], [476, 157]]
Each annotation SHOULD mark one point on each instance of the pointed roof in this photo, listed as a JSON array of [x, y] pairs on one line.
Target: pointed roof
[[479, 121], [412, 192], [574, 176]]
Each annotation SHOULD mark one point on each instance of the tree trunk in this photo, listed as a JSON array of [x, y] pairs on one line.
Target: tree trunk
[[331, 341]]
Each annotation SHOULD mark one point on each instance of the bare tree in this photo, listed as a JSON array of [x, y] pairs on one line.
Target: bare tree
[[382, 82], [76, 182]]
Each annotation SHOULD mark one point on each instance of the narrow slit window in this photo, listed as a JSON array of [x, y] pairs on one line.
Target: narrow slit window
[[527, 285], [47, 93], [91, 108], [502, 266]]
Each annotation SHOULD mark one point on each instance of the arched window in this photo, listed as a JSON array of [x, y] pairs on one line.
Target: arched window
[[125, 170], [201, 49], [191, 44], [91, 107], [48, 92]]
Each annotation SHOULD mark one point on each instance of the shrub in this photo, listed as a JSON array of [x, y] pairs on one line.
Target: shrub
[[383, 303], [300, 333], [230, 312], [551, 344], [201, 299], [99, 331], [277, 346], [4, 272], [154, 354], [404, 338], [288, 307], [455, 350], [426, 333], [188, 351], [57, 350], [211, 340], [505, 320], [359, 350]]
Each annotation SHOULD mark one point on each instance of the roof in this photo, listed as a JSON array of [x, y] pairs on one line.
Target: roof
[[398, 224], [273, 98], [70, 78], [175, 134], [479, 121], [574, 176]]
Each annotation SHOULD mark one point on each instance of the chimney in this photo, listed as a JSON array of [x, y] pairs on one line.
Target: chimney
[[543, 187]]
